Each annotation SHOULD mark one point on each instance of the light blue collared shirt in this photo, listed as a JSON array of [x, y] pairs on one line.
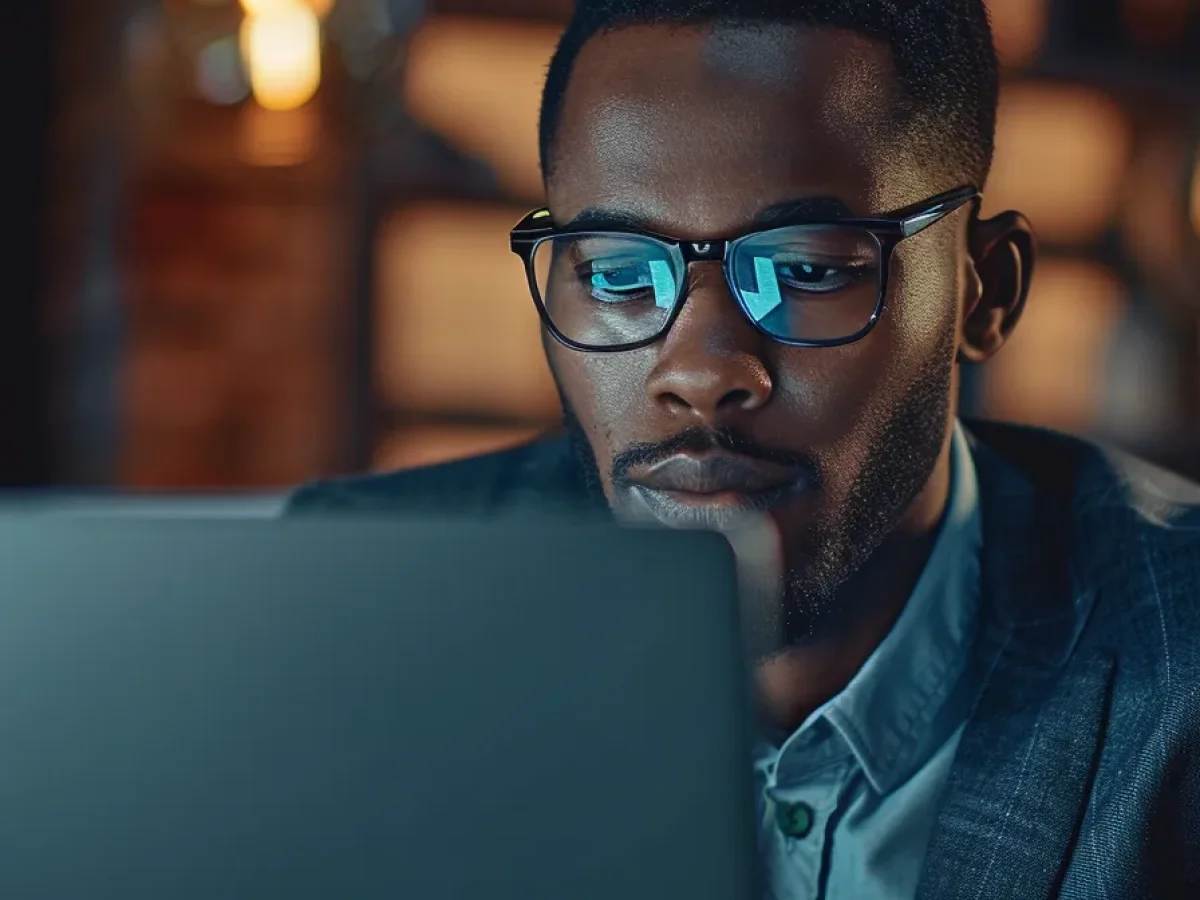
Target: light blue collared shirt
[[870, 764]]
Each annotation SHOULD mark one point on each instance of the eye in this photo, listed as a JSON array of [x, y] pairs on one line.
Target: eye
[[616, 283], [623, 281], [812, 277]]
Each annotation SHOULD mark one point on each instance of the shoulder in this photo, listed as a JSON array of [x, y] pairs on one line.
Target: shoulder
[[541, 472], [1123, 535], [1123, 538], [1099, 489]]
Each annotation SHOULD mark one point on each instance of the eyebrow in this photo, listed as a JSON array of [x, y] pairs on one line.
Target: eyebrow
[[598, 218], [804, 208]]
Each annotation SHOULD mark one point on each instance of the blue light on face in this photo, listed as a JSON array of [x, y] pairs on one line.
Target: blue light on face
[[762, 302], [663, 281]]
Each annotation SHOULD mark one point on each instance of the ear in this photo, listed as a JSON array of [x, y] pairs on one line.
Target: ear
[[1002, 252]]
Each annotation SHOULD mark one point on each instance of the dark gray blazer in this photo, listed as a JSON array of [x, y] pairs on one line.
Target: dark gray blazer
[[1079, 772]]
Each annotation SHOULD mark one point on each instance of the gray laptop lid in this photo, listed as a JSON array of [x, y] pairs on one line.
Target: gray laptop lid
[[308, 709]]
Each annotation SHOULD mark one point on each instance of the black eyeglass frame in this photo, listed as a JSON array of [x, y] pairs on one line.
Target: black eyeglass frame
[[888, 231]]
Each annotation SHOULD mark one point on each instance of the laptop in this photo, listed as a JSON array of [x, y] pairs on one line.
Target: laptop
[[364, 709]]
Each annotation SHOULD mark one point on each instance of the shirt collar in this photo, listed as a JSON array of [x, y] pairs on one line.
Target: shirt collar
[[909, 696]]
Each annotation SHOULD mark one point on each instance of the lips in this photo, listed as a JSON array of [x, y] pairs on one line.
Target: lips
[[716, 474], [713, 490]]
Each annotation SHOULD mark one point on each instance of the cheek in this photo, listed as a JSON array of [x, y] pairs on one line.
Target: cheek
[[843, 394], [822, 396], [607, 393], [925, 292]]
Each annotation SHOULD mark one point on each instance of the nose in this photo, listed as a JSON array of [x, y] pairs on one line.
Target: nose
[[711, 366]]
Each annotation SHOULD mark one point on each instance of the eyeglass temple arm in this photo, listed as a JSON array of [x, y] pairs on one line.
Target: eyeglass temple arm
[[918, 222]]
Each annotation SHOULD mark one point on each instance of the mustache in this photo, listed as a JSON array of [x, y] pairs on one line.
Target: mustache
[[697, 440]]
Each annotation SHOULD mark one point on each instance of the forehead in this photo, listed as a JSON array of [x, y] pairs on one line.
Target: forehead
[[696, 129]]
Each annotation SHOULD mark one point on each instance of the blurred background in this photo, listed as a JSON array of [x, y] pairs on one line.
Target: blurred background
[[255, 242]]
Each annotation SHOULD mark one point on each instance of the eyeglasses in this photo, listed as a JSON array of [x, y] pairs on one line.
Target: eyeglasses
[[804, 284]]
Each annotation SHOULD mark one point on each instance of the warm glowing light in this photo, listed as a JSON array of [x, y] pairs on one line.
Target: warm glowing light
[[266, 7], [455, 328], [1052, 371], [479, 83], [320, 8], [1061, 156], [1195, 199], [282, 49], [1019, 29]]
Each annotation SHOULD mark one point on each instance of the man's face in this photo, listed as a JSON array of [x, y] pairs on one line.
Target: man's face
[[693, 132]]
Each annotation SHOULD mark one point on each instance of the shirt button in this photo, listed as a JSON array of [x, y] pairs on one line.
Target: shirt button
[[794, 819]]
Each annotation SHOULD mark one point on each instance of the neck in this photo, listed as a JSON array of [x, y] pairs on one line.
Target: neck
[[794, 684]]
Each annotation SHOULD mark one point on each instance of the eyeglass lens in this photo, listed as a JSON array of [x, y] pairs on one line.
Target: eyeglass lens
[[802, 283]]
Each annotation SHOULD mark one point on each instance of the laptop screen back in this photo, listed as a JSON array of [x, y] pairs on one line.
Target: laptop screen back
[[308, 709]]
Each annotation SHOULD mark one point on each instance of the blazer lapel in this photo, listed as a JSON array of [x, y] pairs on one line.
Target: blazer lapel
[[1015, 798], [1016, 795]]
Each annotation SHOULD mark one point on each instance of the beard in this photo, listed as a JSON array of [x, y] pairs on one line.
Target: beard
[[901, 452]]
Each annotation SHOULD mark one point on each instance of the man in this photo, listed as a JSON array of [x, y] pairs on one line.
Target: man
[[760, 267]]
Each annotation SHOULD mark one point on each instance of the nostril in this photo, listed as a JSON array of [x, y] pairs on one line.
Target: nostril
[[739, 398], [674, 402]]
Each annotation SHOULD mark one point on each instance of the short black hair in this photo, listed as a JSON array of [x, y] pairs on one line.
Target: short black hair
[[942, 50]]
